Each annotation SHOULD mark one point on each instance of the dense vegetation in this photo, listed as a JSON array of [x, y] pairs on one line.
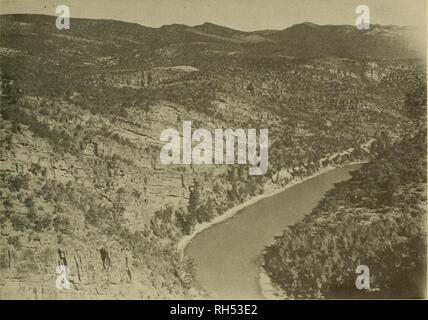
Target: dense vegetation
[[377, 218]]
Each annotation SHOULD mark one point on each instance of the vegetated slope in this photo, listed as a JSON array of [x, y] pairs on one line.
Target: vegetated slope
[[377, 219], [81, 115]]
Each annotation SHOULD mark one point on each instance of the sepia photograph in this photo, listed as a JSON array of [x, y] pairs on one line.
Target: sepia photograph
[[213, 150]]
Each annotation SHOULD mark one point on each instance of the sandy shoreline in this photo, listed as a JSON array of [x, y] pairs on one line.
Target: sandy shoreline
[[268, 289], [270, 191]]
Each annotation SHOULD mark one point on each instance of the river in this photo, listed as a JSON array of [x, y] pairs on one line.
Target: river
[[228, 256]]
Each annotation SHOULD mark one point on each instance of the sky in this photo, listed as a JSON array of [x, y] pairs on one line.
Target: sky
[[246, 15]]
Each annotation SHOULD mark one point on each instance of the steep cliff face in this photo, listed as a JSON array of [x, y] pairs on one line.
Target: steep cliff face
[[147, 78], [29, 272], [109, 156], [75, 185], [115, 167]]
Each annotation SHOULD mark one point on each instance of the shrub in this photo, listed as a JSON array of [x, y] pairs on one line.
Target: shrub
[[43, 222], [18, 182], [19, 222], [14, 241], [62, 224]]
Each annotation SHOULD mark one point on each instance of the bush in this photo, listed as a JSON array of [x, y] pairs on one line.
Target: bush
[[62, 224], [19, 222], [43, 222], [14, 241], [18, 182]]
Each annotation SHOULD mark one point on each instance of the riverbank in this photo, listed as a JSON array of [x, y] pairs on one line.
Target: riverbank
[[270, 190], [268, 289]]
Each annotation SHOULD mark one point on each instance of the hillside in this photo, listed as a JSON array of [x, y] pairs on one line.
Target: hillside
[[377, 219], [82, 111]]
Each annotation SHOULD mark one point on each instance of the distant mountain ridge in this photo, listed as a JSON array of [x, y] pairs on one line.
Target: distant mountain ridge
[[302, 40]]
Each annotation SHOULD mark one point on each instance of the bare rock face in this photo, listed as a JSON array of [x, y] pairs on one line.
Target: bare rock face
[[30, 272]]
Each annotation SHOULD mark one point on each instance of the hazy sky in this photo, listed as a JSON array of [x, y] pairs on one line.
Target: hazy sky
[[245, 15]]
